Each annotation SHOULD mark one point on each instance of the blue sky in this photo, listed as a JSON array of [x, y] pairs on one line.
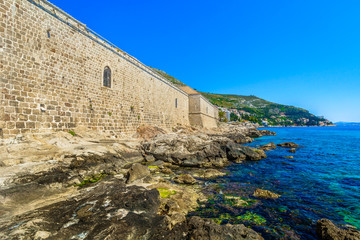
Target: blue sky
[[300, 53]]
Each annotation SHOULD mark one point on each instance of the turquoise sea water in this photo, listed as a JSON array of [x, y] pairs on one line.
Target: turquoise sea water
[[321, 181]]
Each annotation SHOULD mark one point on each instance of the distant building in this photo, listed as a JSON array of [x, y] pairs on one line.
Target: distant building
[[228, 115]]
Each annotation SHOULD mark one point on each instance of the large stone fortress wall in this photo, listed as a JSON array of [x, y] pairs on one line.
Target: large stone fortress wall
[[52, 78], [202, 112]]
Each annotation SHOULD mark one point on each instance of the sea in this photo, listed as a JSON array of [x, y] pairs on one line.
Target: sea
[[321, 181]]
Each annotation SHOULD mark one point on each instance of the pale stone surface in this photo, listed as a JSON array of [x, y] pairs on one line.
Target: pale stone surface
[[201, 112]]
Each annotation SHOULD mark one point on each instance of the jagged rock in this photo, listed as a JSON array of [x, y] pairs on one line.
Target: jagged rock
[[112, 210], [158, 163], [166, 170], [149, 158], [185, 179], [288, 145], [188, 151], [239, 138], [104, 208], [208, 174], [292, 150], [199, 150], [254, 133], [178, 198], [137, 171], [327, 230], [204, 229], [268, 147], [260, 193], [265, 132], [238, 153]]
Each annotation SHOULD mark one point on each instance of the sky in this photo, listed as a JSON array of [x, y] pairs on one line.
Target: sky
[[300, 53]]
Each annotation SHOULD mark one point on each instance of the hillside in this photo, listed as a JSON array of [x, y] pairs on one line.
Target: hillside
[[255, 109]]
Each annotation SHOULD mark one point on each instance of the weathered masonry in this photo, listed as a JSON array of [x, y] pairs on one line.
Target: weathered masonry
[[57, 74], [201, 112]]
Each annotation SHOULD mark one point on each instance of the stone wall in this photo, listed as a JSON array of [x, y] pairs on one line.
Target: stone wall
[[52, 78], [202, 112]]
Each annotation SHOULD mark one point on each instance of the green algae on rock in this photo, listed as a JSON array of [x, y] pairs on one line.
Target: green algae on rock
[[239, 201], [91, 179], [154, 169], [165, 192], [222, 217], [252, 218]]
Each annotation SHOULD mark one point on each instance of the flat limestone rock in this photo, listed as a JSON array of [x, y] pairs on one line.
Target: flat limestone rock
[[209, 174], [110, 210]]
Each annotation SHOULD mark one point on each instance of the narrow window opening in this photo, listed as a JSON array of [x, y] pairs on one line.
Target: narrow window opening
[[176, 103], [107, 77], [48, 33], [207, 110]]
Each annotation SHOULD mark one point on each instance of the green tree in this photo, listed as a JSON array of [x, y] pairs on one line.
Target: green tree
[[222, 116], [234, 117]]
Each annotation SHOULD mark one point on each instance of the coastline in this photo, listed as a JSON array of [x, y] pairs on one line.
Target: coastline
[[90, 181]]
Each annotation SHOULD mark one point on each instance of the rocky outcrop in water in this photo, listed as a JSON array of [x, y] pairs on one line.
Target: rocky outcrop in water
[[260, 193], [292, 150], [199, 150], [265, 132], [327, 230], [268, 147], [254, 133], [238, 153], [288, 145], [187, 151], [203, 229], [239, 137]]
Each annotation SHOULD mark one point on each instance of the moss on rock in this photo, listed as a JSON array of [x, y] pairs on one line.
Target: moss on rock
[[252, 218], [165, 192]]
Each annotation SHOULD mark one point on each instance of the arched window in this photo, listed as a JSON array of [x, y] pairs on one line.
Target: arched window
[[107, 77]]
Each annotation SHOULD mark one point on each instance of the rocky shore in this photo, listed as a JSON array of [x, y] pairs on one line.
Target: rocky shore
[[85, 185]]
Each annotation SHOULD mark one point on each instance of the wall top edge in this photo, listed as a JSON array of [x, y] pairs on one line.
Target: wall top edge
[[82, 28]]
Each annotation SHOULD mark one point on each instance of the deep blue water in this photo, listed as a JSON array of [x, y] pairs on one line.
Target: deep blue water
[[322, 181]]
